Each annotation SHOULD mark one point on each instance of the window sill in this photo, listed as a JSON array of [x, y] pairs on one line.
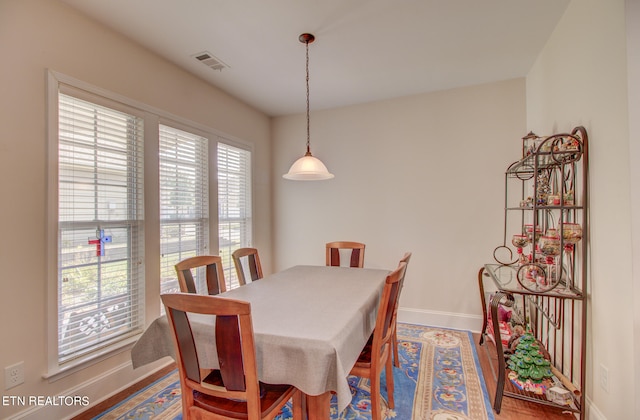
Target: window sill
[[61, 371]]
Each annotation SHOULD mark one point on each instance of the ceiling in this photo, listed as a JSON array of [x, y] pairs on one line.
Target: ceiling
[[365, 50]]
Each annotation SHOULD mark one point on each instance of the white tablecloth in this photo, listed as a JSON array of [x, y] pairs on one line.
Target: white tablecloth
[[310, 324]]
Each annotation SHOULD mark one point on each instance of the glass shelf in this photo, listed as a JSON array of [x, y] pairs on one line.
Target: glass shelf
[[505, 278]]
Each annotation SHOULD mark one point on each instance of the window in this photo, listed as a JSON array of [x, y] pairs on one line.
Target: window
[[105, 242], [234, 205], [184, 198], [100, 225]]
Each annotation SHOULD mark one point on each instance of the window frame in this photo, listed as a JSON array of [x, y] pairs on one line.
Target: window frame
[[231, 268], [100, 166], [57, 84], [209, 141], [152, 117]]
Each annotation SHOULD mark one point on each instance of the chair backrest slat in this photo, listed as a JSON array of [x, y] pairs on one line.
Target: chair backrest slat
[[189, 281], [335, 257], [213, 282], [213, 270], [388, 304], [405, 259], [253, 263], [394, 293], [186, 344], [253, 268], [355, 257], [229, 358], [333, 253]]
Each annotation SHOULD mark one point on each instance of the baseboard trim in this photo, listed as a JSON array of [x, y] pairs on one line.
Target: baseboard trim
[[456, 321], [92, 389], [592, 411]]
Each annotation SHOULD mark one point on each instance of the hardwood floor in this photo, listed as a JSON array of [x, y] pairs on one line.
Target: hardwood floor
[[512, 409]]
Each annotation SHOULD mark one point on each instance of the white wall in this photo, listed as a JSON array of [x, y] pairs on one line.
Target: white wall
[[632, 13], [581, 79], [423, 173], [40, 34]]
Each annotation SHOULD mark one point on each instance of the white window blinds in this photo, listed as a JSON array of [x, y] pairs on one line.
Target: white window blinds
[[234, 205], [184, 198], [100, 226]]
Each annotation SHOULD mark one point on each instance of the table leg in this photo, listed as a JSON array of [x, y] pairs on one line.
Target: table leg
[[318, 406]]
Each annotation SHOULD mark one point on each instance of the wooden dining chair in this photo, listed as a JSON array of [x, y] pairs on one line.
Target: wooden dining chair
[[333, 253], [376, 355], [396, 361], [252, 259], [214, 274], [233, 391]]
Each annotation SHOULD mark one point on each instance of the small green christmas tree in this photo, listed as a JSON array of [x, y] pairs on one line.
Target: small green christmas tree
[[528, 362]]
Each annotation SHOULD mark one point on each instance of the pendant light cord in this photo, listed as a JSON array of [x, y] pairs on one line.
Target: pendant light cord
[[308, 123]]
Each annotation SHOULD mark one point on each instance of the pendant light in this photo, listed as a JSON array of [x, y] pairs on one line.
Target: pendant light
[[308, 168]]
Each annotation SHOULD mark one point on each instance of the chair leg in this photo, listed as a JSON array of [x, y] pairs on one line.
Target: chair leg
[[375, 397], [390, 385], [298, 401], [394, 342], [187, 399]]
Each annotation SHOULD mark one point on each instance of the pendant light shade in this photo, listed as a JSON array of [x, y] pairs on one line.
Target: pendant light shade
[[308, 168]]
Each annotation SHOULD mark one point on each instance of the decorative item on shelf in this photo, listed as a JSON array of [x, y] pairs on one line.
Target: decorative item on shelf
[[530, 144], [553, 232], [566, 149], [504, 318], [533, 239], [568, 144], [529, 365], [571, 235], [308, 167], [543, 189], [520, 241], [559, 395], [568, 198], [528, 203], [553, 200], [533, 274], [544, 151], [550, 247], [538, 276], [518, 331]]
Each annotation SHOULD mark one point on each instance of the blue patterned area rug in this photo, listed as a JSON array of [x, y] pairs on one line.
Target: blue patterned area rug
[[439, 379]]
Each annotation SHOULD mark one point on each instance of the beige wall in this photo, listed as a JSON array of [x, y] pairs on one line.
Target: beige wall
[[580, 79], [36, 35], [423, 173], [632, 13]]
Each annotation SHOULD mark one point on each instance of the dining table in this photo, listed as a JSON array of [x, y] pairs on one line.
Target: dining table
[[310, 324]]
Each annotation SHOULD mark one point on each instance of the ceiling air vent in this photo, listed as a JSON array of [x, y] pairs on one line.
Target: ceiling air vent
[[211, 61]]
